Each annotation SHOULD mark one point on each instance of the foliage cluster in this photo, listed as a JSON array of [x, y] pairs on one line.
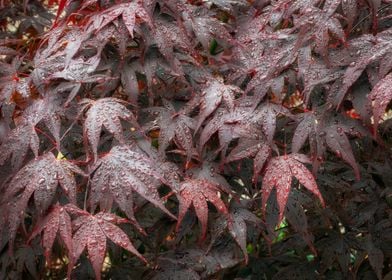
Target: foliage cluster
[[213, 139]]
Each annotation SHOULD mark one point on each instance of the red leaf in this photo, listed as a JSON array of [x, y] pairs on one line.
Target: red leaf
[[56, 222], [118, 174], [279, 173], [212, 95], [92, 231], [379, 97], [40, 177], [173, 126], [105, 112], [238, 227], [129, 11], [197, 192]]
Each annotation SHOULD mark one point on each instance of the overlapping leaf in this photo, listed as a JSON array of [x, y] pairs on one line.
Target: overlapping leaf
[[57, 221], [197, 192], [10, 82], [321, 133], [105, 112], [130, 13], [279, 173], [121, 172], [380, 96], [238, 227], [173, 126], [92, 232], [213, 94], [40, 177], [24, 136]]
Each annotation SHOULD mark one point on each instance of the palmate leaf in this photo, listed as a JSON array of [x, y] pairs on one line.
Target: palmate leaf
[[105, 112], [40, 177], [10, 82], [279, 173], [229, 126], [207, 28], [376, 256], [18, 141], [130, 13], [319, 25], [57, 221], [118, 174], [197, 192], [227, 4], [169, 36], [314, 72], [256, 148], [382, 49], [238, 227], [323, 132], [380, 96], [244, 121], [213, 94], [173, 126], [92, 232], [209, 171], [335, 248]]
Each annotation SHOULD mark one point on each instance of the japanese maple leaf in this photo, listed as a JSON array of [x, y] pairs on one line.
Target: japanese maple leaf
[[40, 177], [207, 28], [57, 221], [376, 256], [380, 51], [118, 174], [105, 112], [229, 126], [128, 75], [238, 227], [314, 72], [130, 13], [266, 115], [209, 171], [240, 217], [79, 69], [379, 97], [335, 247], [322, 133], [299, 5], [197, 192], [10, 82], [296, 216], [24, 136], [264, 59], [318, 25], [214, 92], [244, 121], [279, 172], [350, 10], [173, 126], [227, 4], [258, 149], [17, 143], [92, 231], [169, 36]]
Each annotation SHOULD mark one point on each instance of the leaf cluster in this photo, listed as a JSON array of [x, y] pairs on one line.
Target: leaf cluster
[[195, 139]]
